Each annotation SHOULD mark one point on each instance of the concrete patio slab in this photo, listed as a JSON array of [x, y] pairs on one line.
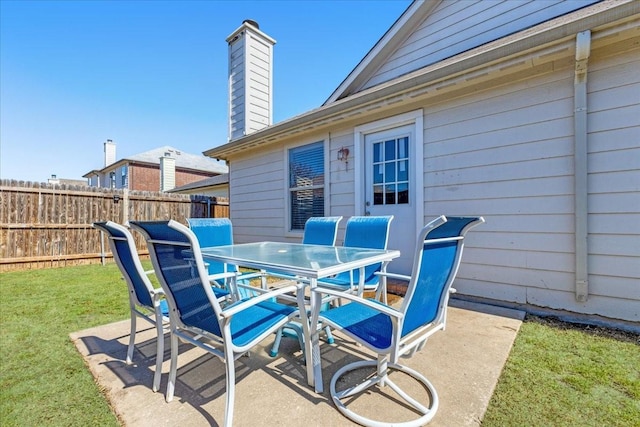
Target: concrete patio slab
[[464, 363]]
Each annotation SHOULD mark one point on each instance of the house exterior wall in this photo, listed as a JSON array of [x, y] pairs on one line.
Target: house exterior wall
[[502, 147], [145, 177], [258, 205], [507, 153]]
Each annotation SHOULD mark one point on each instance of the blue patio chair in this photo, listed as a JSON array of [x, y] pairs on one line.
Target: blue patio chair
[[321, 230], [145, 301], [219, 232], [317, 231], [226, 329], [363, 232], [392, 333]]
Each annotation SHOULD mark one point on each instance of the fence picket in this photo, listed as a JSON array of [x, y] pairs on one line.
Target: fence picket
[[45, 225]]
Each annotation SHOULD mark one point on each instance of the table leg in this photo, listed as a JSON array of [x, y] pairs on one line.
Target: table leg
[[312, 341]]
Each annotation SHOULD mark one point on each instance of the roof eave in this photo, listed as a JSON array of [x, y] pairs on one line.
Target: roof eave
[[396, 34], [551, 31]]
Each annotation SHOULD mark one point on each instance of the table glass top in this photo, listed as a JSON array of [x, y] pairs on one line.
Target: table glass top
[[297, 257]]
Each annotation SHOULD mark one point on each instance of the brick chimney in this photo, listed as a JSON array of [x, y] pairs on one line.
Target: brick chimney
[[250, 80]]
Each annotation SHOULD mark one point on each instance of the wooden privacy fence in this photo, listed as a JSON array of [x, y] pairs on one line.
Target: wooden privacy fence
[[44, 225]]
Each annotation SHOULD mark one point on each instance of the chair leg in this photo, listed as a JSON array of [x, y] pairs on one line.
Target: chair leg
[[173, 368], [231, 387], [276, 343], [291, 329], [132, 338], [159, 351], [382, 378], [330, 339]]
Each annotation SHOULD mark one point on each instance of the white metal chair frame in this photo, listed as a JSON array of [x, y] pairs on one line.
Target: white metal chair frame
[[151, 313], [223, 345], [401, 342]]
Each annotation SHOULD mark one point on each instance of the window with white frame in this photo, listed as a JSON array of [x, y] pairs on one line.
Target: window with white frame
[[306, 183]]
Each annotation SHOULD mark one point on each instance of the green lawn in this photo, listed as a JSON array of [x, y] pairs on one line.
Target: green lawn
[[555, 376]]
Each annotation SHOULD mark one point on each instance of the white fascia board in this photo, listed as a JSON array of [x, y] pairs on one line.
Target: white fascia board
[[398, 32]]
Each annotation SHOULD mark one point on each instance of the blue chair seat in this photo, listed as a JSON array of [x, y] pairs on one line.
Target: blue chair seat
[[367, 324]]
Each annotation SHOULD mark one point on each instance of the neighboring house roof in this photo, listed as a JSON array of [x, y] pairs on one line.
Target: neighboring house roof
[[222, 179], [345, 105], [183, 161]]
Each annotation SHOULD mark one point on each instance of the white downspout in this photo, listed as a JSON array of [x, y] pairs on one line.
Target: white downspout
[[583, 48]]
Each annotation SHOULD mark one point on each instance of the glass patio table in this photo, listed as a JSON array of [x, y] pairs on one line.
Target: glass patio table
[[311, 262]]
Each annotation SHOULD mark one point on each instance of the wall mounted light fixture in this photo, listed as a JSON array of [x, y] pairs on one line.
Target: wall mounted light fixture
[[343, 156]]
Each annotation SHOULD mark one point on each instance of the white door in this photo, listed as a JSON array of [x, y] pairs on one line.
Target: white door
[[389, 188]]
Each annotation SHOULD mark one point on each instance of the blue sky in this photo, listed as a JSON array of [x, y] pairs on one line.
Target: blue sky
[[151, 73]]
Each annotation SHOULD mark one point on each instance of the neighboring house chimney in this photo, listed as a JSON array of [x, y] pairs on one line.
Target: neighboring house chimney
[[167, 172], [250, 80], [109, 153]]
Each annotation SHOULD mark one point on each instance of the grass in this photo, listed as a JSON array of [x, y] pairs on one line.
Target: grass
[[556, 374], [559, 374]]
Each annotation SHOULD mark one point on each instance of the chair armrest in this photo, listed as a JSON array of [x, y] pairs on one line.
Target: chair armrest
[[251, 275], [394, 276], [226, 275], [385, 309], [243, 305], [157, 293]]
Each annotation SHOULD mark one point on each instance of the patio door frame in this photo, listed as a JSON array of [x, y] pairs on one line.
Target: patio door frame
[[413, 118]]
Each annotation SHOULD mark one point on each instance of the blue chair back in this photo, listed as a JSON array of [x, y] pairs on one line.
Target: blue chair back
[[172, 253], [438, 254], [321, 230], [125, 254], [213, 232], [366, 232]]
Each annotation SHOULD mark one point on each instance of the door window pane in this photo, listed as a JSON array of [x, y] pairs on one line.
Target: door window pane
[[378, 195], [378, 176], [390, 195], [403, 193], [391, 168], [389, 172], [403, 170], [390, 150]]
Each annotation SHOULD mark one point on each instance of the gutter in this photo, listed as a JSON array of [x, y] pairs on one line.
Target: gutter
[[583, 48]]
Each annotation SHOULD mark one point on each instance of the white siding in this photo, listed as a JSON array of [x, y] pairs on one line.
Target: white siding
[[507, 154], [236, 88], [250, 68], [257, 197], [341, 176], [457, 26], [614, 181]]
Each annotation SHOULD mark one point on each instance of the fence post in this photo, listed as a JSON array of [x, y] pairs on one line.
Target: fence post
[[125, 205], [102, 254]]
